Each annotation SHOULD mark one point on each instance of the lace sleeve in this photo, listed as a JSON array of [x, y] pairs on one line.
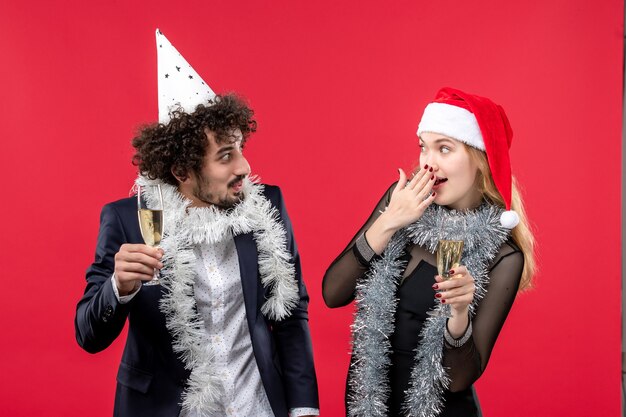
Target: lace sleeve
[[466, 363], [341, 276]]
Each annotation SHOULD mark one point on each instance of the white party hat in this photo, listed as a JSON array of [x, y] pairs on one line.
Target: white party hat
[[179, 84]]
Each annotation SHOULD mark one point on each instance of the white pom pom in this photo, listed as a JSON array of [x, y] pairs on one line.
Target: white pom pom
[[509, 219]]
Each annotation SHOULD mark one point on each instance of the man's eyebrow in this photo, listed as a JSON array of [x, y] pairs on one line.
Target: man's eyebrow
[[225, 148]]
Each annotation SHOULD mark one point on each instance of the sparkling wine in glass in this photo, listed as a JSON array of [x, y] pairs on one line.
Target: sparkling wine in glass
[[448, 257], [150, 214]]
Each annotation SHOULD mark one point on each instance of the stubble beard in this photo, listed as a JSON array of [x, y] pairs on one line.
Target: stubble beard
[[225, 203]]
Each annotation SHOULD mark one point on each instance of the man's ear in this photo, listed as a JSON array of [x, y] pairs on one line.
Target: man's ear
[[180, 174]]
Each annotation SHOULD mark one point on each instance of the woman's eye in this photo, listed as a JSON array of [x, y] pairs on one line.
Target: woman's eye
[[445, 149], [422, 148]]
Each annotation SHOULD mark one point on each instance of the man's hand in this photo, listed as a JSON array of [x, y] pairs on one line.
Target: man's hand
[[135, 263]]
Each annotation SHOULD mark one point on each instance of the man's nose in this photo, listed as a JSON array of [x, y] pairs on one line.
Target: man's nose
[[243, 167]]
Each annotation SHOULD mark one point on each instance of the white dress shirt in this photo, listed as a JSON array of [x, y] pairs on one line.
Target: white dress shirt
[[219, 299]]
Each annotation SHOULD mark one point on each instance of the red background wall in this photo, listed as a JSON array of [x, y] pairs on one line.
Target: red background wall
[[338, 88]]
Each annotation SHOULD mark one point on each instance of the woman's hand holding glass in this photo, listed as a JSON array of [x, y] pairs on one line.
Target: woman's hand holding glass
[[457, 292]]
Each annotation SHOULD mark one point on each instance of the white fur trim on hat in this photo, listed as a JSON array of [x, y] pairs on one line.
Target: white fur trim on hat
[[452, 121]]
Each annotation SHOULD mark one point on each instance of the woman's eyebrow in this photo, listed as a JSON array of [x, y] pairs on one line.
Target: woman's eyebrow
[[438, 140]]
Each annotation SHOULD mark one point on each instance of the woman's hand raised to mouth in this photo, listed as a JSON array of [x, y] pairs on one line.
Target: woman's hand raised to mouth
[[408, 202]]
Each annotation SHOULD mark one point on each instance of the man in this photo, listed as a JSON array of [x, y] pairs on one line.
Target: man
[[226, 333]]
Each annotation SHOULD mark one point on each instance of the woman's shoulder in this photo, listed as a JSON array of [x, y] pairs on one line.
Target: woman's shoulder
[[509, 253], [509, 247]]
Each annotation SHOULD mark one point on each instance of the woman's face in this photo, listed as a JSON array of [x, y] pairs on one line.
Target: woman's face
[[454, 169]]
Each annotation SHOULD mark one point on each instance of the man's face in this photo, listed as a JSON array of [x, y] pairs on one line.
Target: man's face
[[220, 182]]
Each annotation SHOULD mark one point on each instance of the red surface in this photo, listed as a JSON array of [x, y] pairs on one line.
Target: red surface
[[338, 88]]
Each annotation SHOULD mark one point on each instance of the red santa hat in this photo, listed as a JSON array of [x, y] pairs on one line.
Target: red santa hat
[[482, 124]]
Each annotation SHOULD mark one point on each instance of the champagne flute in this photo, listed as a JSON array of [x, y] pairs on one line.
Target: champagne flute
[[150, 214], [448, 258]]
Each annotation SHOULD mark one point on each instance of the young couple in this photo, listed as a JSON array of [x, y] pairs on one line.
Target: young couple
[[226, 332]]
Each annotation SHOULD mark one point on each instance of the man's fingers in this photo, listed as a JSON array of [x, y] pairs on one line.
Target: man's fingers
[[138, 257], [136, 262], [144, 259], [141, 248], [135, 267]]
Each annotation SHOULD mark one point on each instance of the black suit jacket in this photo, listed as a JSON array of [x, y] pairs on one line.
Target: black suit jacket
[[151, 377]]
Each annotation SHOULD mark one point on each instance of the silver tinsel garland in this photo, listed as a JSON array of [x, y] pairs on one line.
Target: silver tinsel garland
[[186, 227], [376, 304]]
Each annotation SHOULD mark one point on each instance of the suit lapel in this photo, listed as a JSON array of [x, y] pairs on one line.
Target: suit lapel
[[248, 267]]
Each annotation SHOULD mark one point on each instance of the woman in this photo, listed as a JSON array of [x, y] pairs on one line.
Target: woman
[[404, 360]]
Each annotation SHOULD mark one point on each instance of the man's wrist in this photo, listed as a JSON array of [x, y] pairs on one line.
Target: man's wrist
[[121, 297], [124, 292]]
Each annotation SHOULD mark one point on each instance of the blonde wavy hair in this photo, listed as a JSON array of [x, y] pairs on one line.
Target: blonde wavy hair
[[522, 234]]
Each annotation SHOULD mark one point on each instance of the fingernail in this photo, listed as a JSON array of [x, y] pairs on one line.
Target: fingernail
[[443, 301], [434, 194], [425, 166], [451, 272], [431, 169], [160, 265], [438, 295], [432, 177], [435, 287]]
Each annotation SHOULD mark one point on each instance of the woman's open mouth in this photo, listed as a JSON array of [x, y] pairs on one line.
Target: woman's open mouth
[[438, 182]]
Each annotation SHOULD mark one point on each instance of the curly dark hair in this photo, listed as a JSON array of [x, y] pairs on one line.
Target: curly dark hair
[[181, 144]]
